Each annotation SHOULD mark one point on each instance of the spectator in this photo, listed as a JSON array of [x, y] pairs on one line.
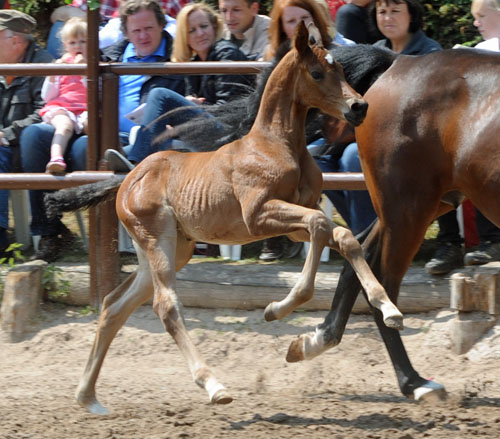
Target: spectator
[[287, 14], [333, 7], [66, 96], [142, 22], [245, 27], [110, 31], [20, 96], [199, 29], [352, 21], [449, 254]]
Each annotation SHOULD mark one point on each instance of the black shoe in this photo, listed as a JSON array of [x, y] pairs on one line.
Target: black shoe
[[117, 162], [49, 248], [447, 257], [271, 249], [487, 252]]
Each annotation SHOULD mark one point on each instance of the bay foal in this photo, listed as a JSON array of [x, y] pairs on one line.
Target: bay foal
[[262, 185]]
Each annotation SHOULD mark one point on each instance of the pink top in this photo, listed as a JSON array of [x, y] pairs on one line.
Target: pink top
[[69, 92]]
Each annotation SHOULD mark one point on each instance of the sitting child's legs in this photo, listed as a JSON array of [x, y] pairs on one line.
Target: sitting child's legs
[[64, 129]]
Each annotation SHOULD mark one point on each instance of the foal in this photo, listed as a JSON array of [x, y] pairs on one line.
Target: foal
[[265, 184]]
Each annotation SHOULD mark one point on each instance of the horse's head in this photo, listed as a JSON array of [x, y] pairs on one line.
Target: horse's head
[[323, 82]]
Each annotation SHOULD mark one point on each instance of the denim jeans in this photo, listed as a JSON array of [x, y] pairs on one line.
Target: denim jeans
[[354, 206], [35, 154], [159, 102], [5, 166]]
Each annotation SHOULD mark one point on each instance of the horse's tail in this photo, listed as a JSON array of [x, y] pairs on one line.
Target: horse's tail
[[80, 197]]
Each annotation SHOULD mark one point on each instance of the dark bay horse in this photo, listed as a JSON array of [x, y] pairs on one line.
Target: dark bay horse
[[431, 137], [262, 185]]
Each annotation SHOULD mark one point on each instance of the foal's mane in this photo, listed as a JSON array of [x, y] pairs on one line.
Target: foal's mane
[[362, 65]]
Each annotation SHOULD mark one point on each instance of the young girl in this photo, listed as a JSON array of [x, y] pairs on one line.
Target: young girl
[[66, 96]]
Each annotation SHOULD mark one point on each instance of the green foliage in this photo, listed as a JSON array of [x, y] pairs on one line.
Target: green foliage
[[54, 283], [450, 22], [14, 255]]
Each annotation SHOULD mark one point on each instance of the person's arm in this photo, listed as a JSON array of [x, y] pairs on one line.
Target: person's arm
[[50, 88], [12, 133]]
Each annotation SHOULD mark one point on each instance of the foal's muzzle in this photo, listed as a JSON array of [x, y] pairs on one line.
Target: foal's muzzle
[[357, 111]]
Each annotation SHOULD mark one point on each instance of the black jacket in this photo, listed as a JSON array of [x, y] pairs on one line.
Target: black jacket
[[218, 89], [21, 101], [114, 53]]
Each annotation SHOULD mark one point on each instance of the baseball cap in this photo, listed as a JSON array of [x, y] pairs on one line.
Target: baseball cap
[[16, 21]]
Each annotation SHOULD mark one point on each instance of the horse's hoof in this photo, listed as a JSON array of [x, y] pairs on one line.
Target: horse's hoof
[[222, 396], [295, 351], [269, 315], [94, 407], [394, 322], [430, 392]]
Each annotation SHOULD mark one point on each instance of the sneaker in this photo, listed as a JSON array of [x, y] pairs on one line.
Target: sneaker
[[49, 248], [487, 252], [117, 162], [447, 257]]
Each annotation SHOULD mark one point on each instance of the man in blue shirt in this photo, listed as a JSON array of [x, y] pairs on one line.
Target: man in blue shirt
[[146, 41]]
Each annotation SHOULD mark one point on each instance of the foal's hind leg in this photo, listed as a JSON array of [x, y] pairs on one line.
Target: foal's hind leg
[[160, 251], [117, 307]]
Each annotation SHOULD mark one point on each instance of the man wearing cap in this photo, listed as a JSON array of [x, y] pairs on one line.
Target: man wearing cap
[[20, 96]]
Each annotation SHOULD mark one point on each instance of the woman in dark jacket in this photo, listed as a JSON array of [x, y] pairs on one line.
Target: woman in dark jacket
[[197, 39]]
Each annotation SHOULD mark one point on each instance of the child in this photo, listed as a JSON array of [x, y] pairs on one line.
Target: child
[[66, 96]]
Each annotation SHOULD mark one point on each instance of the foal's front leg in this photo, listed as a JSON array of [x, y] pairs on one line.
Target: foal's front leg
[[281, 218], [347, 245]]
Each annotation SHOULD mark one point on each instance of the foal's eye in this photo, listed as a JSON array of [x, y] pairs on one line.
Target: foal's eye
[[317, 76]]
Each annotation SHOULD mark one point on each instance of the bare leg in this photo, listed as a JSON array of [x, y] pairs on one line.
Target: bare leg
[[64, 129]]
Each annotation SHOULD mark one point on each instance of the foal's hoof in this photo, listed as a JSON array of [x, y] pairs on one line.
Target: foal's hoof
[[430, 392], [296, 351], [394, 322], [392, 316], [269, 314], [94, 407], [222, 396]]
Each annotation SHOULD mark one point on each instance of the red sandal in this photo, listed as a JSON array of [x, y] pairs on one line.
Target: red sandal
[[56, 166]]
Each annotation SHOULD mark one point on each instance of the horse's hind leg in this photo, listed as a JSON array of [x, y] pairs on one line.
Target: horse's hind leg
[[117, 307], [161, 252]]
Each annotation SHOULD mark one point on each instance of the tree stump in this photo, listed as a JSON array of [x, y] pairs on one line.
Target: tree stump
[[476, 298], [21, 299]]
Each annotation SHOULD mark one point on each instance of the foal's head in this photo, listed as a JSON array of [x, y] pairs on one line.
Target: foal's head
[[322, 84]]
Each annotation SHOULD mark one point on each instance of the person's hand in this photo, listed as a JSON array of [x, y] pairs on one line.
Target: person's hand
[[3, 140], [170, 130], [195, 100], [80, 59]]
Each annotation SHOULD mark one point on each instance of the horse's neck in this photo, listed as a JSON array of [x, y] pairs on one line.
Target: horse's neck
[[280, 114]]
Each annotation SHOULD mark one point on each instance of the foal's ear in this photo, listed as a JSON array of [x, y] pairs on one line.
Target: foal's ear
[[306, 37], [314, 36], [300, 41]]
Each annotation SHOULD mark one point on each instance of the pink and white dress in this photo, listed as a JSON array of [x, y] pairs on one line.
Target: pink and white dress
[[68, 93]]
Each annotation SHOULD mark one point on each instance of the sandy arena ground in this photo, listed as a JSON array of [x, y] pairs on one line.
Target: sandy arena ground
[[349, 392]]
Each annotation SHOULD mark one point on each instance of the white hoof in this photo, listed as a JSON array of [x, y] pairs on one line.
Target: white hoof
[[430, 391], [392, 317]]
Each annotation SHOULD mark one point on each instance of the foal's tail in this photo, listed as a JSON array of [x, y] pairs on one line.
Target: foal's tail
[[80, 197]]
